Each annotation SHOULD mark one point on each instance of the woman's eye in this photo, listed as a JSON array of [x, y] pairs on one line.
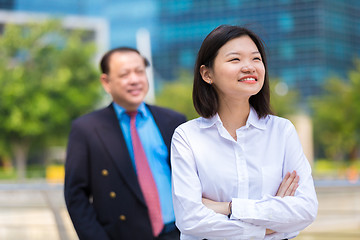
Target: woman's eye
[[257, 59], [234, 59]]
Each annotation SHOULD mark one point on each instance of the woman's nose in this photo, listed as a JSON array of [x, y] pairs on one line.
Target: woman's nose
[[248, 68]]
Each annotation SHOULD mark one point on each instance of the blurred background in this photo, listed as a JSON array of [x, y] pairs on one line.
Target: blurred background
[[49, 54]]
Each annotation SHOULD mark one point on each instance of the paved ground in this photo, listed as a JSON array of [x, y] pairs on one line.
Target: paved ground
[[37, 212], [338, 217], [34, 212]]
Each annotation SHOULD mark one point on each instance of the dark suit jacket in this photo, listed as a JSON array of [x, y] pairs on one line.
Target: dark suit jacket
[[102, 192]]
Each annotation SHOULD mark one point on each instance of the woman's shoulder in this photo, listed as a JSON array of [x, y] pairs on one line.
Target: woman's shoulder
[[281, 122], [194, 126], [190, 124]]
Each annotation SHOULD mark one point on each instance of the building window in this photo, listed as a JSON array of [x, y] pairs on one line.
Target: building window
[[286, 22], [6, 4]]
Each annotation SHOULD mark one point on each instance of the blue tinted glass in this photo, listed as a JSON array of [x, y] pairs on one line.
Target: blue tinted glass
[[298, 34], [286, 22]]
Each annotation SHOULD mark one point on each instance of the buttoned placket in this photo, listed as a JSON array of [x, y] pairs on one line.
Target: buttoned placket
[[241, 166]]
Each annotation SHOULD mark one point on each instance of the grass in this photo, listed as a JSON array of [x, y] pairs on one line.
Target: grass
[[7, 173], [32, 172]]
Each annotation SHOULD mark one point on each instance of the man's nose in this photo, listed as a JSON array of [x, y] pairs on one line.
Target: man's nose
[[134, 77]]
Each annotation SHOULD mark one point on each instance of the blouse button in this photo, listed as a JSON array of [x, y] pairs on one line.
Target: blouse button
[[122, 217]]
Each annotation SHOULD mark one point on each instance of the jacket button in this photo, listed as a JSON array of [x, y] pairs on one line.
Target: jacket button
[[105, 172], [122, 217], [112, 194]]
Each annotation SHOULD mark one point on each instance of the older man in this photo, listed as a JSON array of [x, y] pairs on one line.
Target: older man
[[117, 171]]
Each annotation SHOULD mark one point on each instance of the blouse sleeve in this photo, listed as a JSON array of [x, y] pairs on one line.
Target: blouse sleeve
[[289, 214], [192, 217]]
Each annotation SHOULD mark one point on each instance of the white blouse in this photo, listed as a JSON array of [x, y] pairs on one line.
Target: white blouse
[[208, 162]]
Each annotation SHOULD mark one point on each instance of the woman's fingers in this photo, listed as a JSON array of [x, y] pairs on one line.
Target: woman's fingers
[[287, 175], [285, 184], [288, 185], [292, 188]]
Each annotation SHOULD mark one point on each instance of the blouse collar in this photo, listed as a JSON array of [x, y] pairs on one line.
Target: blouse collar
[[253, 120]]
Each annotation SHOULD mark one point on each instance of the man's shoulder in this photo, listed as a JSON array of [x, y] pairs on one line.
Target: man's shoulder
[[94, 116], [162, 111]]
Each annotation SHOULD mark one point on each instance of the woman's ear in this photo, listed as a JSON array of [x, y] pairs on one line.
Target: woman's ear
[[206, 74]]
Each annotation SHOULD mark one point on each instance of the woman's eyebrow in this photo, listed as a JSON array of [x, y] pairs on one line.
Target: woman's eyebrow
[[238, 53]]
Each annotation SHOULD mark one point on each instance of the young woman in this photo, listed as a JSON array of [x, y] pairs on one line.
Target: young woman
[[238, 171]]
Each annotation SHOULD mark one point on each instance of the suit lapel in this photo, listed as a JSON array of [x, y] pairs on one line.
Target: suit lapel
[[111, 135]]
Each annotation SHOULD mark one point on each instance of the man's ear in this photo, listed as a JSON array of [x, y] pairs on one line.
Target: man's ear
[[105, 82], [206, 74]]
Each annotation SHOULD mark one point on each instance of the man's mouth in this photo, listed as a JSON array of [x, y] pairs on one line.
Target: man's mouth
[[134, 91]]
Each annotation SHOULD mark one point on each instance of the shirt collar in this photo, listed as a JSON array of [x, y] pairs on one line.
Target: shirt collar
[[253, 120], [120, 111], [208, 122]]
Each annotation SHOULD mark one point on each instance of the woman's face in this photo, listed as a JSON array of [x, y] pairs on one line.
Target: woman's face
[[238, 71]]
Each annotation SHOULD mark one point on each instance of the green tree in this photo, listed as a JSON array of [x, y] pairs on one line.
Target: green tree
[[177, 95], [337, 117], [354, 77], [47, 78]]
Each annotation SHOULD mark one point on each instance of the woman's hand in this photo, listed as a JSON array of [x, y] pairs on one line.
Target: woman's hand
[[288, 185]]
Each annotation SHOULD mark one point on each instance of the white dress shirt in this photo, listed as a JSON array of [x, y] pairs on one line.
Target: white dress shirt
[[208, 162]]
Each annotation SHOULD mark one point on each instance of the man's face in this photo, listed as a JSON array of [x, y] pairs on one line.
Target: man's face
[[126, 81]]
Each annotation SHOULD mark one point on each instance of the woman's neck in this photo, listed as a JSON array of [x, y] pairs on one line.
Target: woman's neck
[[234, 115]]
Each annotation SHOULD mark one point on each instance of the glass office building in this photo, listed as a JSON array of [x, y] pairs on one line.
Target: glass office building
[[308, 41]]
